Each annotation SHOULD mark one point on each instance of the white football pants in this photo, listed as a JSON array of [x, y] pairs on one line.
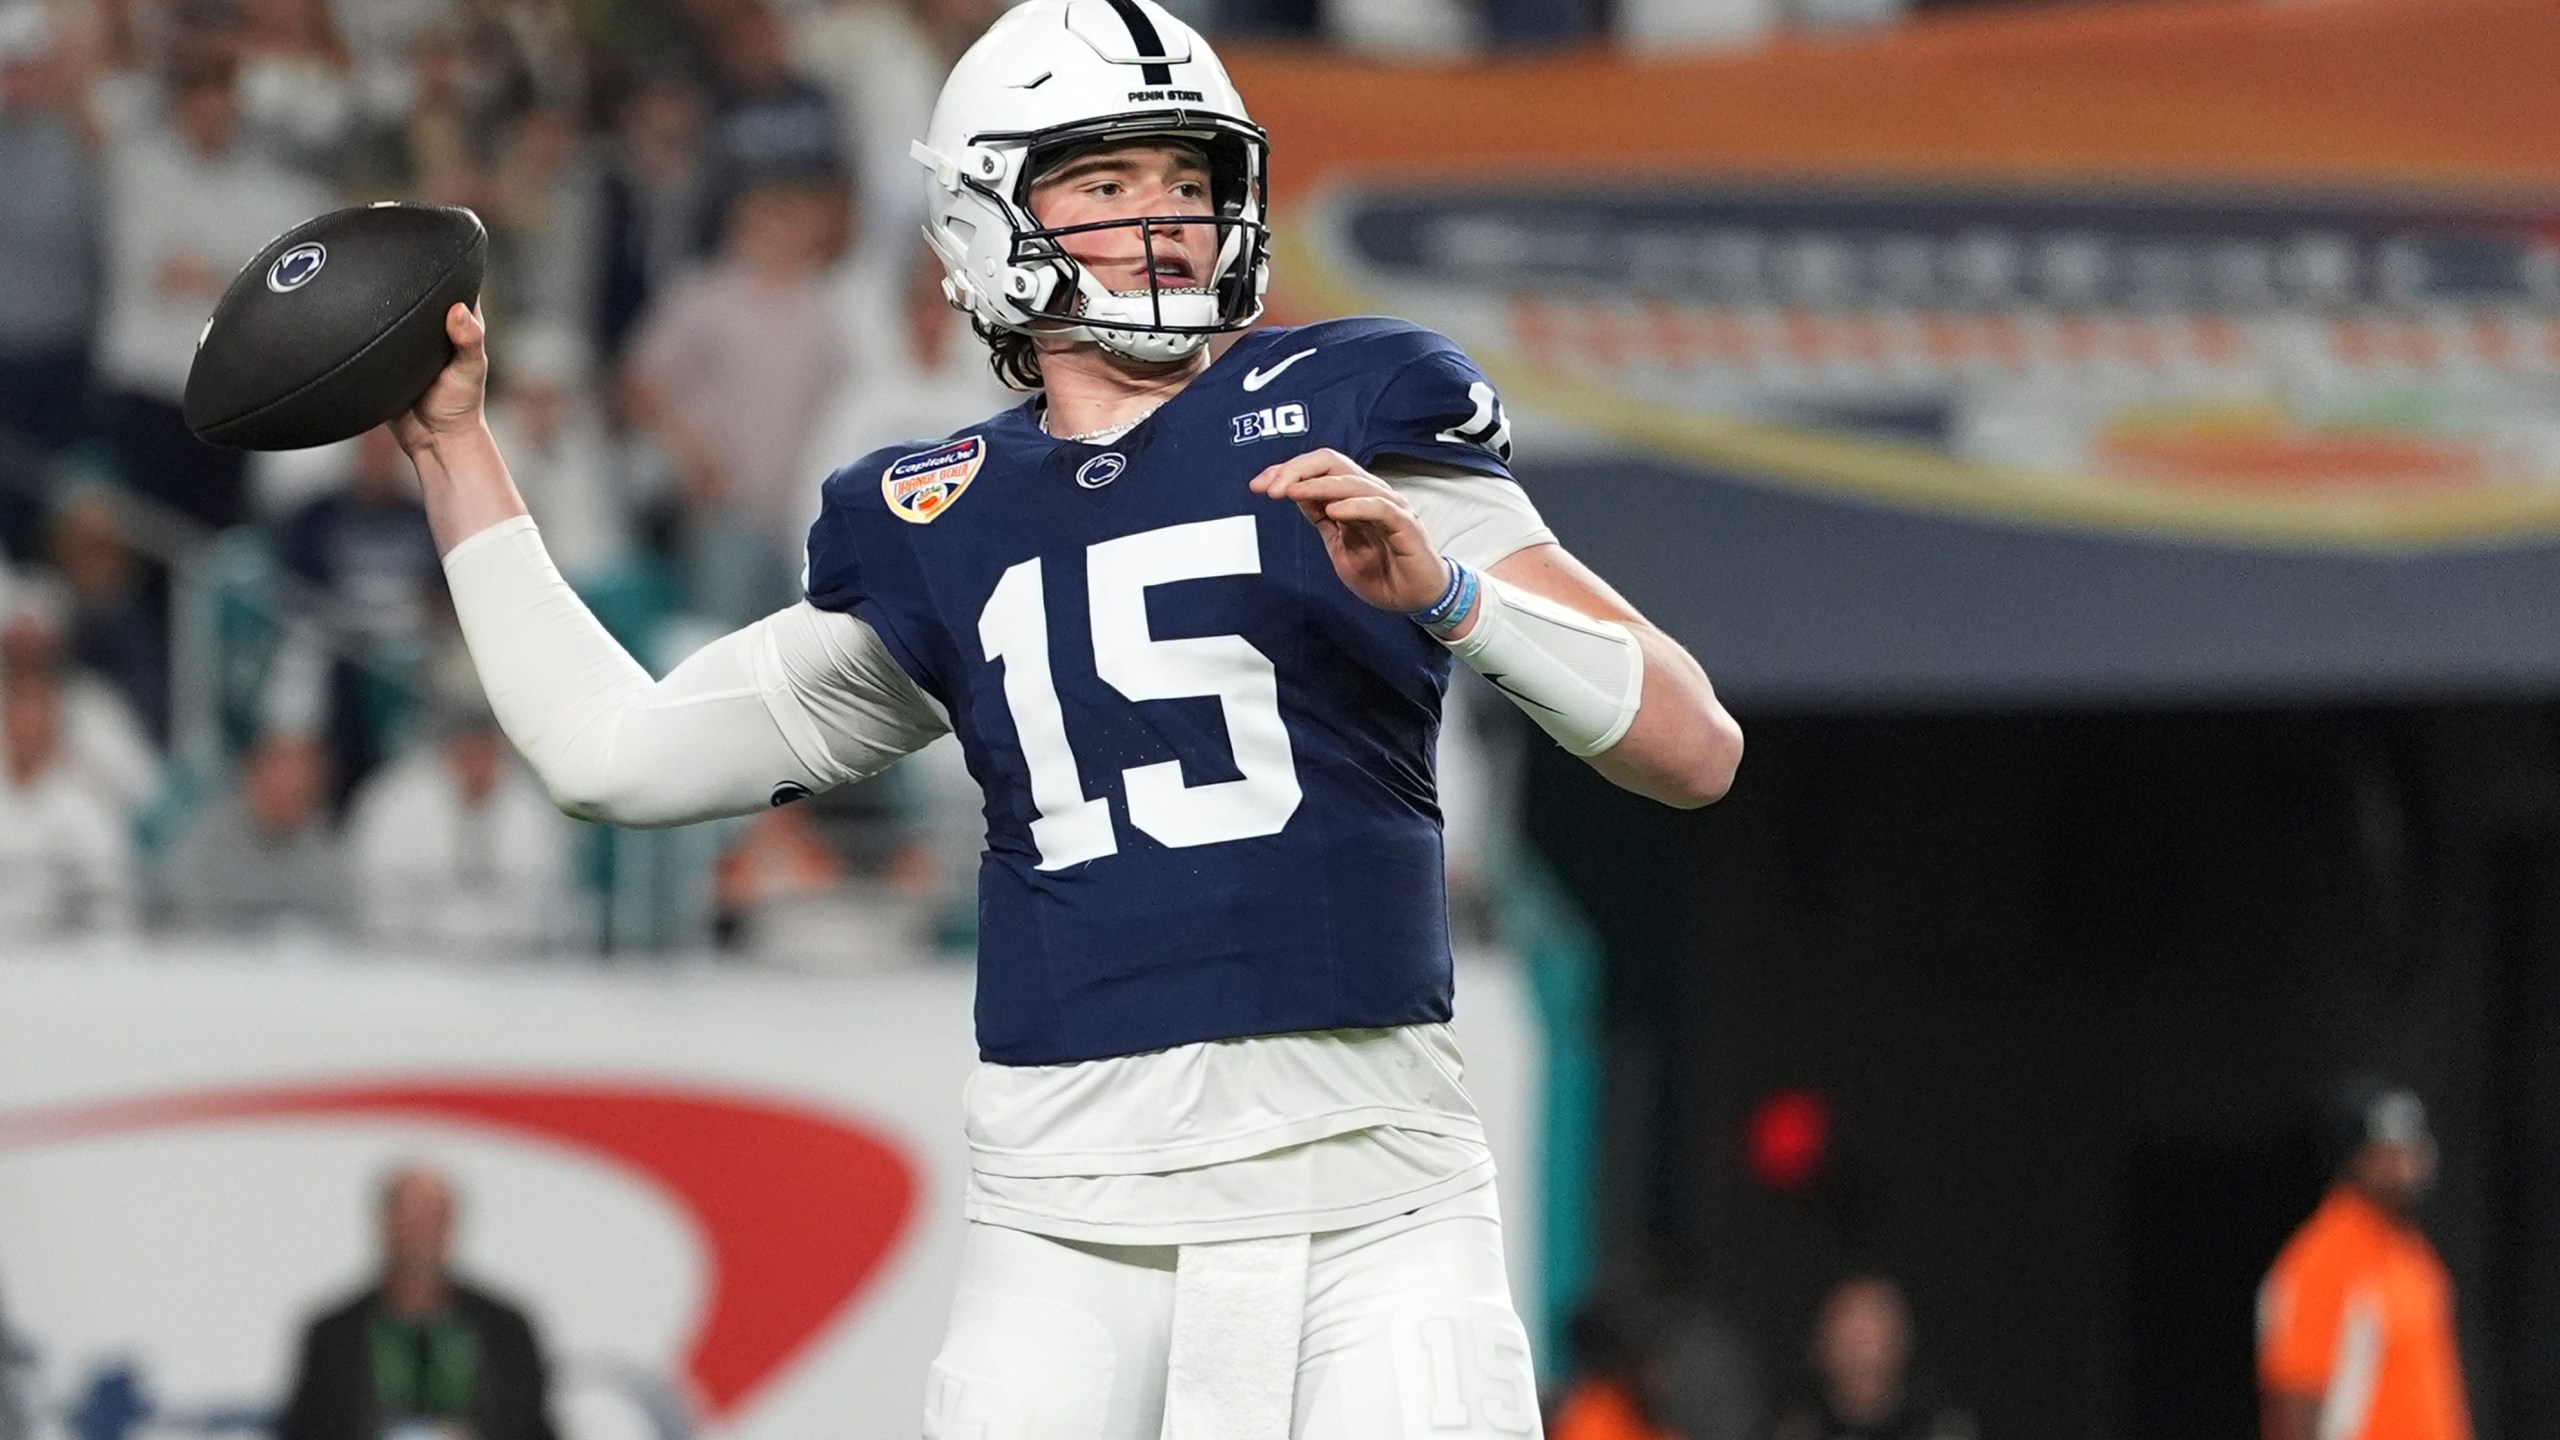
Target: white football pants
[[1408, 1334]]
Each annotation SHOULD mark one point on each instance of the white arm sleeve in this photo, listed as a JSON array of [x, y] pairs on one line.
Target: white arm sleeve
[[1580, 678], [1476, 520], [803, 697]]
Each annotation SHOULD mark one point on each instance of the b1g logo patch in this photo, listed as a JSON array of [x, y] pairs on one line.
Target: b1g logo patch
[[1288, 419], [921, 486]]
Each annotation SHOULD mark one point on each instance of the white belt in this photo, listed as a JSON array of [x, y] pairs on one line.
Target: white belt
[[1238, 1307]]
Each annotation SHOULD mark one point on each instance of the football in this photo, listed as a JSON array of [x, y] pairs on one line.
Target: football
[[336, 327]]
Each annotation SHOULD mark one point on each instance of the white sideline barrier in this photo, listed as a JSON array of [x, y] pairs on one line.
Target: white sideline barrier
[[615, 1133]]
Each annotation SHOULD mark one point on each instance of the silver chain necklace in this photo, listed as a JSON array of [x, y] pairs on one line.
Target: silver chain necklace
[[1107, 433]]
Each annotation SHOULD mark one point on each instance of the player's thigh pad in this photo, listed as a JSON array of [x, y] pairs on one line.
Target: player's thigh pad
[[1051, 1340], [1413, 1337]]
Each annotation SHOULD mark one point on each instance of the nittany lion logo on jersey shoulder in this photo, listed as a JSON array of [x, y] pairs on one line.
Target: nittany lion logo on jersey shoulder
[[1488, 427], [921, 486]]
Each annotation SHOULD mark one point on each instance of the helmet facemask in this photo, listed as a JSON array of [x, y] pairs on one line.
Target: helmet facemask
[[1059, 296]]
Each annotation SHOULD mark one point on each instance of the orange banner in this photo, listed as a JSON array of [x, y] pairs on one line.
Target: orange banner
[[2436, 92]]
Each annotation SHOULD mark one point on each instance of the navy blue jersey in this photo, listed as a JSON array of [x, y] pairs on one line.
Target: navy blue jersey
[[1207, 764]]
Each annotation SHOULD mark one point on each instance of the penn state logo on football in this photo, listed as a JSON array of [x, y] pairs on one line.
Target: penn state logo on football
[[921, 486], [295, 267]]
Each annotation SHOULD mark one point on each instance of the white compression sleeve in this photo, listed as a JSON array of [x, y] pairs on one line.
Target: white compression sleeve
[[794, 698], [1474, 519], [1580, 678]]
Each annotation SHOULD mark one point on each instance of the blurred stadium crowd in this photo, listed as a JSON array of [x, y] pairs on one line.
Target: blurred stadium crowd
[[234, 693], [234, 699]]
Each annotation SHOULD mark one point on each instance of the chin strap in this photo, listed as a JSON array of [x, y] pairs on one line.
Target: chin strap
[[1580, 678], [1147, 346]]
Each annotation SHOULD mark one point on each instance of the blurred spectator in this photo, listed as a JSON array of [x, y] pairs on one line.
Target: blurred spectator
[[542, 204], [656, 202], [545, 416], [1475, 777], [262, 859], [427, 148], [1404, 29], [1845, 14], [66, 863], [420, 1350], [1863, 1386], [373, 581], [187, 205], [917, 378], [1713, 1385], [380, 37], [730, 375], [102, 742], [297, 83], [1615, 1373], [767, 117], [49, 234], [114, 629], [778, 857], [545, 57], [455, 844], [1659, 25], [885, 62], [2355, 1320], [944, 831]]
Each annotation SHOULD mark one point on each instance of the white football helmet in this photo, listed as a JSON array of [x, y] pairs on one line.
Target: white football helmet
[[1052, 77]]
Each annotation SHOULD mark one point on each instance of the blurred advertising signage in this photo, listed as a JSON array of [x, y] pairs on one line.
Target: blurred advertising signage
[[730, 1203], [730, 1199], [2257, 367]]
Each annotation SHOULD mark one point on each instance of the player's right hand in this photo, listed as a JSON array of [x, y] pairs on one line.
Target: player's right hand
[[451, 408], [1374, 538]]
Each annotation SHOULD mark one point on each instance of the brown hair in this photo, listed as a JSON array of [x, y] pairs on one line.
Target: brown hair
[[1012, 356]]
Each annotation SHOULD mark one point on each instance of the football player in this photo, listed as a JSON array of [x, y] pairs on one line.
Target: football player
[[1190, 614]]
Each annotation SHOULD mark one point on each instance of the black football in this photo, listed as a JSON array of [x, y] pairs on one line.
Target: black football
[[336, 327]]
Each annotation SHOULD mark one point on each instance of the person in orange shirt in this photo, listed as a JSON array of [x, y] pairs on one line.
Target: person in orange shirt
[[2355, 1320], [1611, 1397]]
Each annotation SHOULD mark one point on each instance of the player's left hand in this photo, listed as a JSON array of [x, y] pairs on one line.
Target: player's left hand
[[1377, 543]]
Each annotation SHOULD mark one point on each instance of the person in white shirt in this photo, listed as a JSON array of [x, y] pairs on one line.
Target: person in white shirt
[[188, 202], [548, 421], [102, 739], [1191, 614], [66, 858], [729, 373], [455, 847], [263, 861]]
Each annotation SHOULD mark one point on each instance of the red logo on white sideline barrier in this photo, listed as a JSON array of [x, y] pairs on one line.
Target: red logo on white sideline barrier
[[798, 1208]]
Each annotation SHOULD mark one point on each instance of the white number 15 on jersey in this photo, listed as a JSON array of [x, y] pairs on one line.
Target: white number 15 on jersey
[[1014, 629]]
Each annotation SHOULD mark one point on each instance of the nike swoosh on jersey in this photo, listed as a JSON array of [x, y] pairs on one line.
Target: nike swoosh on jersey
[[1256, 378]]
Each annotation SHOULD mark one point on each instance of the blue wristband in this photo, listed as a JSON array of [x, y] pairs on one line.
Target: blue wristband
[[1448, 593], [1455, 604]]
